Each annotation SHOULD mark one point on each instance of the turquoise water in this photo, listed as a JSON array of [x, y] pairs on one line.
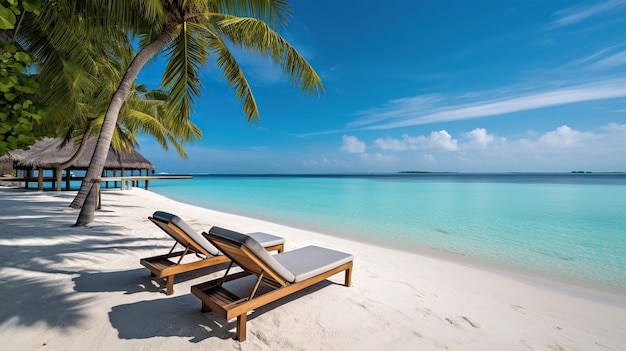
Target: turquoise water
[[569, 225]]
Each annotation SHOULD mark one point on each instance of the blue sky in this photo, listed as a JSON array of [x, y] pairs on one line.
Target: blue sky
[[469, 86]]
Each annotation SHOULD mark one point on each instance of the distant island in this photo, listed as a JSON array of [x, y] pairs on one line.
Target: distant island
[[428, 172], [586, 172]]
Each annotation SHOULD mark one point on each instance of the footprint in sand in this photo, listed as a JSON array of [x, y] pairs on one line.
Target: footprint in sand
[[452, 322], [470, 322], [425, 312], [557, 347], [517, 307], [456, 323]]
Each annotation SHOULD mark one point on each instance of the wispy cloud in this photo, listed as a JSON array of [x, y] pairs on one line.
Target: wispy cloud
[[604, 59], [397, 108], [411, 112], [611, 61], [578, 14]]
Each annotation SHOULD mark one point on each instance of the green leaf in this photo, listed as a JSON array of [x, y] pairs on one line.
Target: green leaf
[[6, 82], [24, 57], [18, 67], [8, 48], [32, 5], [7, 18]]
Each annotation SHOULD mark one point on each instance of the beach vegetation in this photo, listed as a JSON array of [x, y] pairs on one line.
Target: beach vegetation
[[77, 73], [145, 111], [78, 44], [189, 34], [20, 111]]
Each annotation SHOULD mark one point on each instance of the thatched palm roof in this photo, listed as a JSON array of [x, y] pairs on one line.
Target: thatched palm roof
[[48, 153], [8, 160], [19, 154]]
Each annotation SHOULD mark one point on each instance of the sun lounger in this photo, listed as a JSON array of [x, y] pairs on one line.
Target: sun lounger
[[283, 274], [168, 265]]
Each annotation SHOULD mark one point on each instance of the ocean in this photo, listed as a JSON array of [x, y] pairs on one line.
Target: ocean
[[561, 225]]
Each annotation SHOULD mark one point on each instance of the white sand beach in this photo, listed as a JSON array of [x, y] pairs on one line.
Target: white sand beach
[[76, 288]]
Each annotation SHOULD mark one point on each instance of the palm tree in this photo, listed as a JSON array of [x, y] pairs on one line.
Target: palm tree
[[148, 112], [144, 112], [77, 84], [190, 32]]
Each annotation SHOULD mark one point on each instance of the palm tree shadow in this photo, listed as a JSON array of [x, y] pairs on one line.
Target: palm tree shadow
[[31, 300], [39, 247]]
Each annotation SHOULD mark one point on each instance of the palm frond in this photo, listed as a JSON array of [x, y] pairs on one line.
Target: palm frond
[[274, 12], [187, 55], [258, 38], [234, 75]]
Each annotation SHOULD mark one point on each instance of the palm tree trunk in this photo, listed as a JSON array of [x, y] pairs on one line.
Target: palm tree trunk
[[76, 155], [88, 208]]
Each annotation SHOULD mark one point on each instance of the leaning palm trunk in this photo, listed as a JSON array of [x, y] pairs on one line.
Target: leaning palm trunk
[[96, 166], [76, 155]]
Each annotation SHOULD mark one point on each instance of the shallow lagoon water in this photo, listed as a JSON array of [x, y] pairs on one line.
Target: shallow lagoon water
[[568, 225]]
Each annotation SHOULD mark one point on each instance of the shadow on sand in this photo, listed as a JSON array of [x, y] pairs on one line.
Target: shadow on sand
[[181, 316], [44, 273], [37, 239]]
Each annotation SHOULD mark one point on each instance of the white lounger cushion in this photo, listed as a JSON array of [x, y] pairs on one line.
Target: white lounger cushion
[[264, 239], [293, 266], [168, 217], [310, 261], [242, 239], [267, 239]]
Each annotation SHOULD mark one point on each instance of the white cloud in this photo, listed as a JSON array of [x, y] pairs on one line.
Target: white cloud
[[480, 139], [352, 144], [562, 137], [392, 144], [377, 157], [615, 129], [562, 148], [440, 140], [577, 14], [611, 61], [605, 59], [412, 111], [393, 109]]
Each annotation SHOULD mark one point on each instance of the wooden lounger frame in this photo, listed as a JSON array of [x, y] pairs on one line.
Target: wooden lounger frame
[[216, 298], [162, 267]]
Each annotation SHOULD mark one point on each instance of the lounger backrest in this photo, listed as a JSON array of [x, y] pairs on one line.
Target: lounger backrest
[[185, 235], [221, 237]]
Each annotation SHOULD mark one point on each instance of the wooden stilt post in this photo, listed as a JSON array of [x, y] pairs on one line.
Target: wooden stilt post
[[40, 179]]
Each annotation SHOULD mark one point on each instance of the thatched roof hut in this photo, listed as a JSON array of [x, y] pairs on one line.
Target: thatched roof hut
[[8, 162], [49, 153]]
